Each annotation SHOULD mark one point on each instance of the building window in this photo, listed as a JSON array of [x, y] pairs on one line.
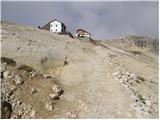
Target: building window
[[56, 25], [56, 29]]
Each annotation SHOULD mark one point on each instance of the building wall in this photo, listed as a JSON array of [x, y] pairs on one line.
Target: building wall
[[56, 27], [82, 33], [86, 35]]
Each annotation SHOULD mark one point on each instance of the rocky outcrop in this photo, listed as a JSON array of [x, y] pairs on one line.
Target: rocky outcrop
[[143, 42], [142, 103], [20, 81]]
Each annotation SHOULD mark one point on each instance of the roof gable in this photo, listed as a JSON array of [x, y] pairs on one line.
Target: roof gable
[[82, 30], [47, 25]]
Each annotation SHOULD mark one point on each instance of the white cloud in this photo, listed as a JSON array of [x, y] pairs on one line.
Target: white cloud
[[103, 19]]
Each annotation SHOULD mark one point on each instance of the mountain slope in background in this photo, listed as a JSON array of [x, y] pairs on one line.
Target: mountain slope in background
[[100, 79]]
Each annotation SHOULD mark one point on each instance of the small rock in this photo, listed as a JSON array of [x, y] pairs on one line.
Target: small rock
[[53, 96], [48, 76], [18, 80], [116, 73], [49, 106], [13, 88], [13, 104], [71, 115], [29, 107], [19, 102], [33, 114], [61, 97], [33, 74], [12, 75], [120, 76], [56, 89], [133, 76], [33, 91], [6, 74]]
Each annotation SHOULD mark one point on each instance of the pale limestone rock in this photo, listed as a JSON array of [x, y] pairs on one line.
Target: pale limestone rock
[[33, 114], [18, 80], [53, 96], [6, 74], [49, 106]]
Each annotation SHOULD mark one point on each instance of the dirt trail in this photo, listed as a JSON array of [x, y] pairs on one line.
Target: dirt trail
[[97, 94], [103, 91]]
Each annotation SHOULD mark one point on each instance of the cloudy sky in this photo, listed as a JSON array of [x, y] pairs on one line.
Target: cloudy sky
[[104, 20]]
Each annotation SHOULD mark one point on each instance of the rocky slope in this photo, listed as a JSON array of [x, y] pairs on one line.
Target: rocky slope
[[100, 79], [143, 42], [24, 91]]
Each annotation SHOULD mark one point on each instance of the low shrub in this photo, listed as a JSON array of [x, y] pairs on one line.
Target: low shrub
[[8, 61]]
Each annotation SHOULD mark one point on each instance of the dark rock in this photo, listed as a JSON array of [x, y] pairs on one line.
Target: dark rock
[[33, 91], [6, 110]]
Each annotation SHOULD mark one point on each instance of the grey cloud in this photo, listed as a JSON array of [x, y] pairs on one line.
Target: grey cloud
[[103, 19]]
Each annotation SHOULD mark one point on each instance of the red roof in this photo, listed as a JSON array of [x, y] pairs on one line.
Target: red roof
[[82, 30]]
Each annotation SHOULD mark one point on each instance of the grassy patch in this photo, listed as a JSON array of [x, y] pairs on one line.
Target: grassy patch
[[141, 98], [26, 68], [141, 78], [138, 81], [8, 61], [135, 52], [112, 56]]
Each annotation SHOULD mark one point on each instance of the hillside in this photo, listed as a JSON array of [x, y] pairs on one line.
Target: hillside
[[72, 78], [149, 44]]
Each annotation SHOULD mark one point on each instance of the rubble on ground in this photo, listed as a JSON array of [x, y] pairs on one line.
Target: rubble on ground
[[13, 81], [142, 104]]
